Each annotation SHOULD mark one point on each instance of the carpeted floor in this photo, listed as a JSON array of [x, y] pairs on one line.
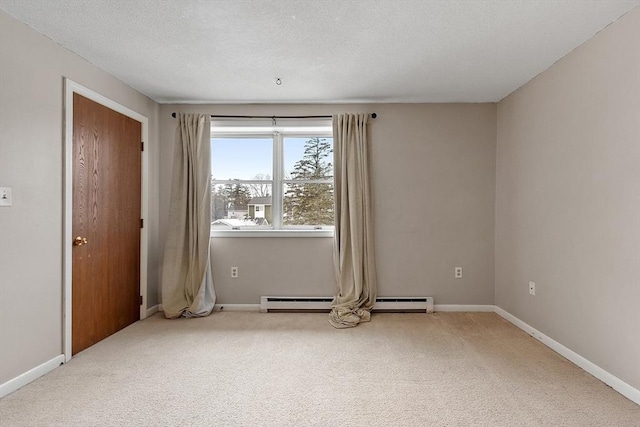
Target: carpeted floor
[[294, 369]]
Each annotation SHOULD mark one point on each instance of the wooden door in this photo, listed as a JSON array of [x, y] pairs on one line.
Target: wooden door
[[106, 222]]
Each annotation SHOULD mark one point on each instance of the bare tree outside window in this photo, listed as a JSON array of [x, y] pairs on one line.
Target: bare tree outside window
[[260, 190]]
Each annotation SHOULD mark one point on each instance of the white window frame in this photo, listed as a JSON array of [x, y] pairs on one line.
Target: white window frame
[[277, 132]]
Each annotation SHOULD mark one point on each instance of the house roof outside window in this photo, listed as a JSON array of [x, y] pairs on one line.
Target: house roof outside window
[[260, 201]]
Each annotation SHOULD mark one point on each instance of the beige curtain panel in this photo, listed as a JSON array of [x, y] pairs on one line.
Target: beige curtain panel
[[353, 251], [187, 282]]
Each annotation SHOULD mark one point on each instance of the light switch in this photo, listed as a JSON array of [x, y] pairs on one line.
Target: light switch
[[5, 196]]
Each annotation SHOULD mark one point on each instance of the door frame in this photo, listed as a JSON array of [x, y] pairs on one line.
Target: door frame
[[71, 87]]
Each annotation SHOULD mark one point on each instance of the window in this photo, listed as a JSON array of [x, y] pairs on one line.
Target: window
[[271, 177]]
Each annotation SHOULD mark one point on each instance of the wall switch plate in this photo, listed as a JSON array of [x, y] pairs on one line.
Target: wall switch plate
[[458, 273], [234, 272], [532, 288], [5, 196]]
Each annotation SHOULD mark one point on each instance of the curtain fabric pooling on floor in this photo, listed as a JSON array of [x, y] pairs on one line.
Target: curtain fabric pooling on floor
[[353, 242]]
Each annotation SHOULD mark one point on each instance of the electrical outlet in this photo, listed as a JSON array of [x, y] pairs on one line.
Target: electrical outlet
[[532, 288], [234, 272], [458, 273], [5, 196]]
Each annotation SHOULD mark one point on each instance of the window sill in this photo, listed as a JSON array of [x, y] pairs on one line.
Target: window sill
[[272, 233]]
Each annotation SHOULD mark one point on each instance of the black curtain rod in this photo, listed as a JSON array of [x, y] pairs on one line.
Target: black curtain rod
[[373, 116]]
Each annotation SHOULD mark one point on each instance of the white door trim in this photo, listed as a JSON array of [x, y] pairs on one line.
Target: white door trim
[[71, 87]]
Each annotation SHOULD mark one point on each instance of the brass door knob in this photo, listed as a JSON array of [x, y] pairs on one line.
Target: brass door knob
[[79, 241]]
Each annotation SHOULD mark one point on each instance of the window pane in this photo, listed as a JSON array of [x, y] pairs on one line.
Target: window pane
[[240, 205], [241, 158], [308, 158], [308, 204]]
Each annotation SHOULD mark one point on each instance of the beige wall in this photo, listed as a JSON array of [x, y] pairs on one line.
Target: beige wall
[[434, 186], [32, 68], [568, 200]]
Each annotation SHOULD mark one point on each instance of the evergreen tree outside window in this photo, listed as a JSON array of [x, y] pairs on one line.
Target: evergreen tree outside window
[[308, 195]]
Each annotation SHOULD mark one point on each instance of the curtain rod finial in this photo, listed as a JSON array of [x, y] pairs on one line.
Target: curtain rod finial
[[173, 115], [374, 115]]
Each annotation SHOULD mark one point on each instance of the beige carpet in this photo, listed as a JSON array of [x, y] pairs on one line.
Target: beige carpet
[[285, 369]]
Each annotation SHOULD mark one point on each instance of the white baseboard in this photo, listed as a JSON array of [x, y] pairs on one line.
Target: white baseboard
[[611, 380], [227, 307], [153, 310], [236, 307], [463, 308], [31, 375], [442, 307]]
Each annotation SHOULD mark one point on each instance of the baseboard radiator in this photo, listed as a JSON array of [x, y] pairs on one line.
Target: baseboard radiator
[[397, 304]]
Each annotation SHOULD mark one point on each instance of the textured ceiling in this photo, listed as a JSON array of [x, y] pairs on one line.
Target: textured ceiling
[[232, 51]]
